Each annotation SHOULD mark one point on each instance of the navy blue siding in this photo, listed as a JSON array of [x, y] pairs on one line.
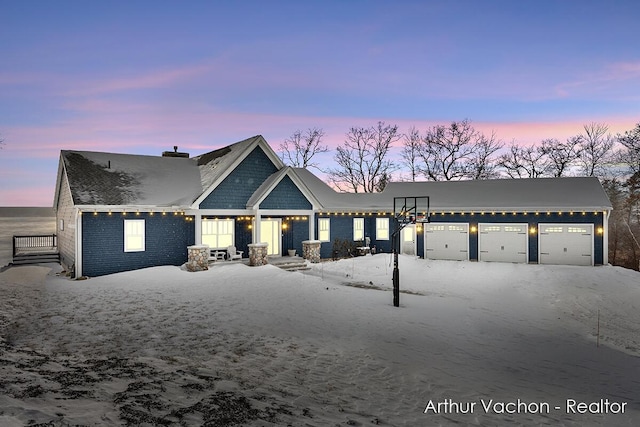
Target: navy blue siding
[[296, 232], [166, 241], [243, 236], [286, 195], [532, 220], [341, 227], [236, 189]]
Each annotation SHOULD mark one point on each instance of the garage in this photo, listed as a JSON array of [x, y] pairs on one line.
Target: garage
[[502, 242], [569, 244], [448, 241]]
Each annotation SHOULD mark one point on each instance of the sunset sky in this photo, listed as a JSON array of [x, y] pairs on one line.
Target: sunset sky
[[140, 77]]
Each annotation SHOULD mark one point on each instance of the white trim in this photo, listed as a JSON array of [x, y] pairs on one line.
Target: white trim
[[78, 244], [525, 225], [605, 238], [425, 231], [259, 142], [589, 225], [128, 236], [328, 228]]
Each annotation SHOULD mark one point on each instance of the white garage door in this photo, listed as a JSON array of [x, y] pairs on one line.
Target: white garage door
[[502, 242], [570, 244], [446, 241]]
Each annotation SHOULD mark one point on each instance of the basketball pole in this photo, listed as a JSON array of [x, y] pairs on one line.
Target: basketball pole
[[407, 213], [396, 270]]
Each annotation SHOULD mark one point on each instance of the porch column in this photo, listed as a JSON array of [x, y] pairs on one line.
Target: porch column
[[198, 229], [256, 227], [312, 228]]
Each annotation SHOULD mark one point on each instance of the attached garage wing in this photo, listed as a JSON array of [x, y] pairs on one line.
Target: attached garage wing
[[570, 244], [448, 241], [503, 242]]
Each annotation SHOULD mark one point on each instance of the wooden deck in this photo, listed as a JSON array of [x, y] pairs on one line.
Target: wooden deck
[[35, 249]]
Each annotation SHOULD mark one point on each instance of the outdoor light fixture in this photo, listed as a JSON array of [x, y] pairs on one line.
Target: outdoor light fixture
[[474, 229], [600, 230], [532, 230]]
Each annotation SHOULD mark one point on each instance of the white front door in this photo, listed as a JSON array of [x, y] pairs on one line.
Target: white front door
[[408, 240], [270, 233]]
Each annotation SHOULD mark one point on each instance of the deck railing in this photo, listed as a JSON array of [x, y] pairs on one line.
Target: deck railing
[[36, 243]]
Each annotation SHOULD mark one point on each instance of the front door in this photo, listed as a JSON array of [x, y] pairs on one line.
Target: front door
[[270, 233], [408, 239]]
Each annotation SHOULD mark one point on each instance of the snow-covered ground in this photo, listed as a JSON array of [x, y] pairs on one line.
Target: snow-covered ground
[[240, 345]]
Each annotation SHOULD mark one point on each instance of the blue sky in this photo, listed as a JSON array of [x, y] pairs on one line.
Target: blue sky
[[139, 77]]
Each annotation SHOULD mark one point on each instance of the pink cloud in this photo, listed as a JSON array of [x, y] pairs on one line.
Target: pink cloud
[[27, 196], [607, 81]]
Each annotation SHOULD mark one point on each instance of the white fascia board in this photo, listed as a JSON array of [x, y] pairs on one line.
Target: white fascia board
[[260, 142], [223, 212], [288, 171]]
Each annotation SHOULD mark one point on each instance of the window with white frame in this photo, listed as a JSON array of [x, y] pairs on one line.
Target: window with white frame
[[382, 228], [358, 229], [134, 235], [323, 229], [218, 233]]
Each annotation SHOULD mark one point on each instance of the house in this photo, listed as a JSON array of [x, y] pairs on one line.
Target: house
[[118, 212]]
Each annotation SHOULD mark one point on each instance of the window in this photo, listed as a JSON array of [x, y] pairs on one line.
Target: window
[[61, 224], [218, 233], [358, 229], [134, 235], [323, 229], [583, 230], [457, 228], [514, 229], [382, 228], [554, 230]]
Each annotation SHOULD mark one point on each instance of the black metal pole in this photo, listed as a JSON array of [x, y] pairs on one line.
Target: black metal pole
[[396, 270]]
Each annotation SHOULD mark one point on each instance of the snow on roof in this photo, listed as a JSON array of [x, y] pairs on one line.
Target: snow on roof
[[506, 194], [123, 179], [97, 178], [215, 163]]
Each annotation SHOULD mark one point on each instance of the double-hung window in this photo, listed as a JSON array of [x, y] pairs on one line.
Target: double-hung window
[[382, 228], [358, 229], [134, 235], [218, 233], [324, 229]]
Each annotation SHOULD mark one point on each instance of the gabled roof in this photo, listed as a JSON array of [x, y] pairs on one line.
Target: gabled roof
[[525, 194], [216, 165], [499, 194], [272, 182], [123, 179], [111, 179]]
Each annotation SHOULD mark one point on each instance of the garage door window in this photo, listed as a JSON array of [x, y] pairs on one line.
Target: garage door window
[[491, 228], [553, 230], [456, 228], [577, 230], [511, 229]]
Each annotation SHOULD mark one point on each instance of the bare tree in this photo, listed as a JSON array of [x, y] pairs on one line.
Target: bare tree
[[300, 148], [630, 155], [596, 149], [362, 159], [482, 165], [457, 152], [561, 155], [524, 162], [411, 143]]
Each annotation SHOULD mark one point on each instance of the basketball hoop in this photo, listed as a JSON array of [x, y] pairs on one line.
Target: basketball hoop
[[406, 210]]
